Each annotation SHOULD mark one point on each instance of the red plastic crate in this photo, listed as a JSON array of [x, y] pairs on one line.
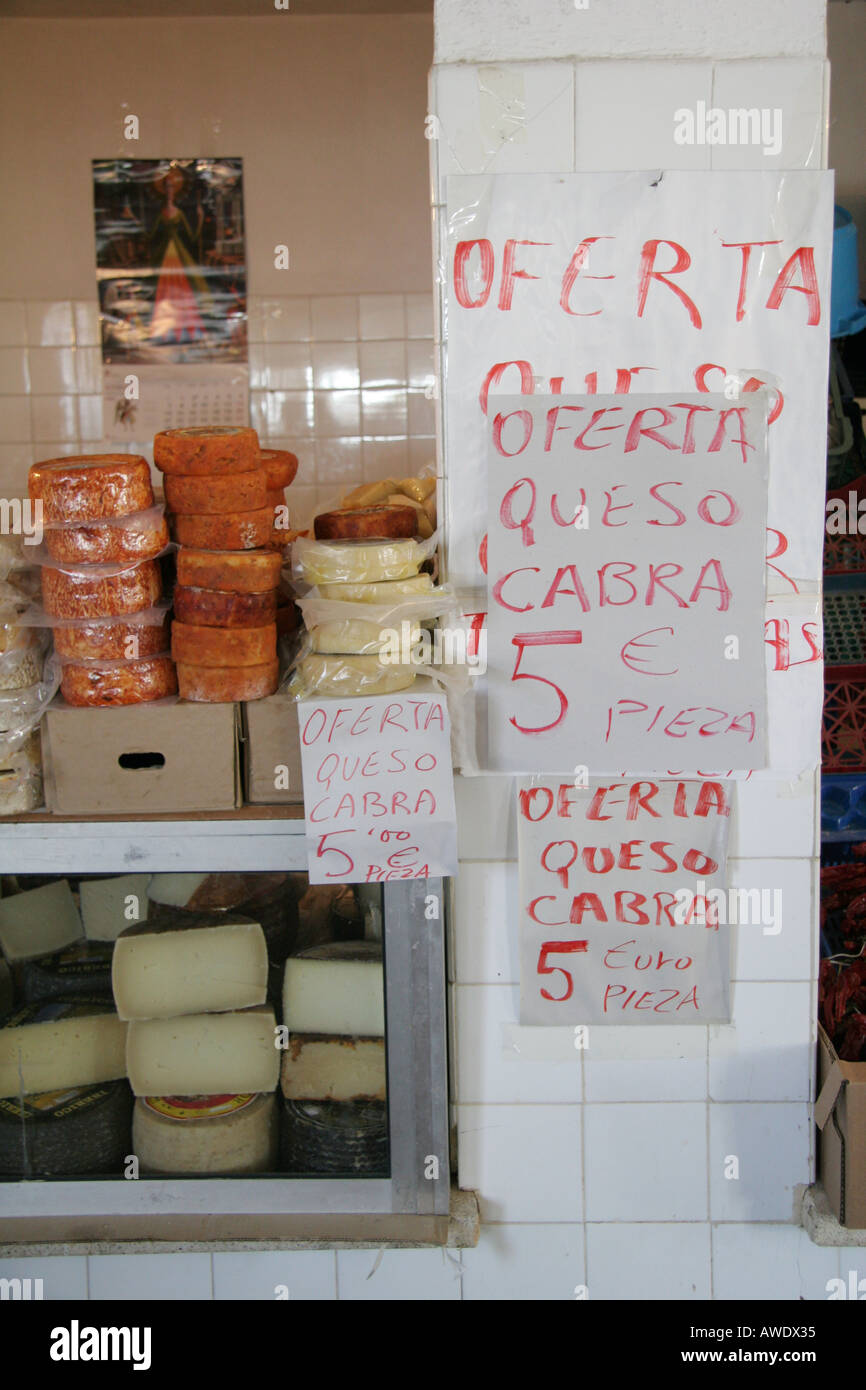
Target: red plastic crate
[[843, 736]]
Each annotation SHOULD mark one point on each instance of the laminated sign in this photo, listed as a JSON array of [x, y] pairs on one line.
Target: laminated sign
[[633, 282], [624, 910], [378, 788], [625, 565]]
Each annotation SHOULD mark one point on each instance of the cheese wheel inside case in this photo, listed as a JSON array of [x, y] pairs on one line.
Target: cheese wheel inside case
[[87, 487], [141, 538], [211, 608], [109, 641], [118, 682], [229, 571], [230, 492], [280, 466], [219, 685], [366, 524], [217, 646], [225, 531], [95, 594], [202, 449]]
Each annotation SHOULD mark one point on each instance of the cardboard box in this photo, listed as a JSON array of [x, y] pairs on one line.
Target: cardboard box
[[272, 751], [840, 1114], [170, 756]]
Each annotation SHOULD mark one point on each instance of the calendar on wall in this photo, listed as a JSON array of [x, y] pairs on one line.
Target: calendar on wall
[[171, 272]]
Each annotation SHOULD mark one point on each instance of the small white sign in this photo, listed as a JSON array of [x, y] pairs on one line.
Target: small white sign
[[378, 788]]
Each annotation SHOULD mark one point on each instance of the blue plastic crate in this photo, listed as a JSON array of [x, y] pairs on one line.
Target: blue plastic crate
[[843, 806]]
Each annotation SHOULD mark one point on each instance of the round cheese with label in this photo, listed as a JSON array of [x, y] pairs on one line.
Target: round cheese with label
[[204, 449], [206, 1134]]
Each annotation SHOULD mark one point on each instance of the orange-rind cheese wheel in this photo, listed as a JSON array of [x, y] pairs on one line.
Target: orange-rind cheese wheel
[[108, 543], [225, 531], [83, 594], [213, 608], [112, 641], [202, 449], [90, 487], [219, 685], [118, 682], [366, 524], [230, 571], [280, 466], [221, 492], [223, 646]]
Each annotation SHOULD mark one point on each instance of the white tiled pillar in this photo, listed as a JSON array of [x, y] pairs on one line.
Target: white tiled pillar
[[574, 1154]]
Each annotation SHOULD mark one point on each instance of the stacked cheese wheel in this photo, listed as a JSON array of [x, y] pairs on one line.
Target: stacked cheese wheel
[[201, 1048], [222, 492], [333, 1075], [104, 532], [361, 556], [22, 696]]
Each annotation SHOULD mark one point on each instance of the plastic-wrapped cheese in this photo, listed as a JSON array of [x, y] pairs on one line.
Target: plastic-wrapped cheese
[[87, 487], [349, 675], [104, 640], [98, 593], [20, 667], [229, 571], [216, 646], [140, 537], [118, 682], [220, 685], [389, 592], [355, 636], [280, 467], [21, 778], [224, 531], [227, 492], [356, 562], [203, 449], [212, 608]]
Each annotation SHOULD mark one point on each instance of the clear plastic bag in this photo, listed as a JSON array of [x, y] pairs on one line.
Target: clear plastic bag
[[359, 562], [360, 628], [111, 540]]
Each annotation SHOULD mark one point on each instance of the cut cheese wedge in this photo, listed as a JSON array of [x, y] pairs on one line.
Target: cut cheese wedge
[[60, 1043], [110, 906], [204, 1054], [327, 1068], [210, 965], [336, 988], [347, 676], [39, 922], [356, 562], [389, 592]]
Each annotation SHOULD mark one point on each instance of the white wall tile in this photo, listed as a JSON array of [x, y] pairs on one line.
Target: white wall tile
[[54, 417], [543, 1263], [335, 317], [645, 1162], [523, 1160], [772, 817], [287, 367], [755, 1261], [793, 87], [767, 1052], [13, 323], [669, 1261], [486, 817], [649, 1064], [338, 412], [53, 371], [382, 316], [335, 367], [384, 413], [88, 370], [425, 1276], [490, 1066], [282, 320], [385, 458], [85, 314], [384, 363], [306, 1274], [771, 1144], [487, 911], [337, 462], [517, 119], [422, 455], [419, 315], [14, 371], [90, 426], [422, 413], [759, 951], [625, 114], [64, 1277], [50, 323], [421, 364], [150, 1277]]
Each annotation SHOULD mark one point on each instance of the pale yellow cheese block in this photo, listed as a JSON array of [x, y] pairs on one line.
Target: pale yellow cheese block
[[333, 1068], [160, 972], [204, 1054], [62, 1053]]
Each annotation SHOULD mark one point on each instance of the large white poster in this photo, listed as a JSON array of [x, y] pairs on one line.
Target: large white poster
[[630, 282], [626, 567], [624, 908]]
